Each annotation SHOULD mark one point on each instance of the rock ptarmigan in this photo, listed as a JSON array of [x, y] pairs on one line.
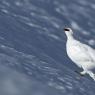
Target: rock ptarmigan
[[81, 54]]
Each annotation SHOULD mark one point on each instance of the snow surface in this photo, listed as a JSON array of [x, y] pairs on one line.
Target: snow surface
[[33, 59]]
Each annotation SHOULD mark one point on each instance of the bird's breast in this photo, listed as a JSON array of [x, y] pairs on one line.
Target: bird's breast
[[73, 51]]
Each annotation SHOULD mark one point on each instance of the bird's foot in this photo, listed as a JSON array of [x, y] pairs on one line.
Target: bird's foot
[[81, 73], [92, 75]]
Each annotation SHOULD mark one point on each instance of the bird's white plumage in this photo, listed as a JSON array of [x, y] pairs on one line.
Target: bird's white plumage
[[81, 54]]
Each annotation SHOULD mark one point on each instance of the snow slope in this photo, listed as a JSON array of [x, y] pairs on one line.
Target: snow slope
[[33, 59]]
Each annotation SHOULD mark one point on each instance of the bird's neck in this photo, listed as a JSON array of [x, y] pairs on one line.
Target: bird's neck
[[70, 40], [69, 36]]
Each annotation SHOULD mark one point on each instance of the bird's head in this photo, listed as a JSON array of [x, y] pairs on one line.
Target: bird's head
[[68, 32]]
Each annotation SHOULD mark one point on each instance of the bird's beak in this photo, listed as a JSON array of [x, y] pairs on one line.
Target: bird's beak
[[66, 29]]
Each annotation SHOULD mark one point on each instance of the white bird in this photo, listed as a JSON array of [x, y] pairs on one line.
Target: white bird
[[81, 54]]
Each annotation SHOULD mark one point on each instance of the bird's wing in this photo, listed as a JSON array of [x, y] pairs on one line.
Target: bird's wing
[[90, 51]]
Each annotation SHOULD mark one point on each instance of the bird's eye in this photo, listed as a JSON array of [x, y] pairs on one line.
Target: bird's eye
[[66, 29]]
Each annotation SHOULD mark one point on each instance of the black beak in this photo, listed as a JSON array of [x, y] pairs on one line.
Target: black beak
[[66, 29]]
